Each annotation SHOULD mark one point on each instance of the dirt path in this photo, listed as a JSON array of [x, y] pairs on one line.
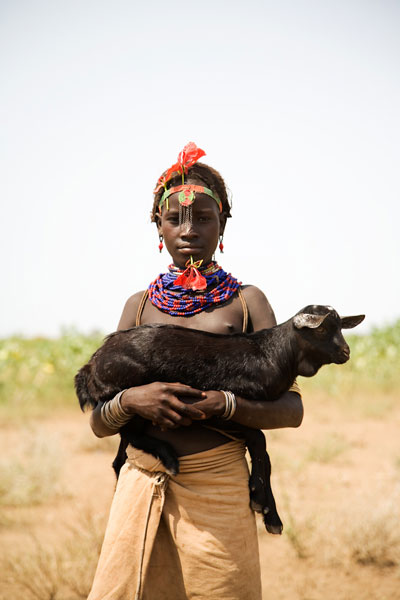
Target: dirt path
[[336, 481]]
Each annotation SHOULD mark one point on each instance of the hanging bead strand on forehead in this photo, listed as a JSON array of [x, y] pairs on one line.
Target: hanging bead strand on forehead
[[186, 198], [185, 216]]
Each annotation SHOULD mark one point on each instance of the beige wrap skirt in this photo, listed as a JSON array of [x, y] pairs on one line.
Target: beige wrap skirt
[[189, 536]]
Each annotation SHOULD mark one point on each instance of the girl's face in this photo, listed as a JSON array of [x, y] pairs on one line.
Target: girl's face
[[198, 239]]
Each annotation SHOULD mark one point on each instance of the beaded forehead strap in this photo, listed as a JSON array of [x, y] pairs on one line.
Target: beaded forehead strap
[[187, 193]]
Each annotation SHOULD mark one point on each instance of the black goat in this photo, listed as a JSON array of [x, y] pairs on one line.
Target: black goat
[[257, 366]]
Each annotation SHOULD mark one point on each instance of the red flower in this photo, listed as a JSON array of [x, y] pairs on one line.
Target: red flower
[[167, 175], [189, 155], [191, 279], [186, 158]]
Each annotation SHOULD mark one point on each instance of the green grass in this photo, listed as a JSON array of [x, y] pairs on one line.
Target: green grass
[[37, 374]]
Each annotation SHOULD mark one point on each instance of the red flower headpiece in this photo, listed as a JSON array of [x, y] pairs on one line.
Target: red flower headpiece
[[186, 158]]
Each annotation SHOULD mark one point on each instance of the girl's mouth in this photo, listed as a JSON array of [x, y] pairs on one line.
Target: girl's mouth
[[190, 249]]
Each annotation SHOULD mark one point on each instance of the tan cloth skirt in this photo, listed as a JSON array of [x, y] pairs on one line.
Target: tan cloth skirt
[[191, 536]]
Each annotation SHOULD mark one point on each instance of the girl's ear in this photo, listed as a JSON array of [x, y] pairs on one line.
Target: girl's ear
[[157, 220], [222, 223]]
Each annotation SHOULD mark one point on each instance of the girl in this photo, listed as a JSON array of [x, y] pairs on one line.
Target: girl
[[192, 535]]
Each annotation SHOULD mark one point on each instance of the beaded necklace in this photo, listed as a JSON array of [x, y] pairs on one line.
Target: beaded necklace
[[177, 300]]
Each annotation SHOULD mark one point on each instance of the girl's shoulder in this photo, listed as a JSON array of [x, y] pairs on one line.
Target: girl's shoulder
[[131, 308], [260, 311]]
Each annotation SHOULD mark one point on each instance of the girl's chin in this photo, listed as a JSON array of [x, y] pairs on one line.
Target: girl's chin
[[183, 259]]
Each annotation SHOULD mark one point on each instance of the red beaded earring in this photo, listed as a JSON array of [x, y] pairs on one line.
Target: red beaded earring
[[161, 245], [221, 245]]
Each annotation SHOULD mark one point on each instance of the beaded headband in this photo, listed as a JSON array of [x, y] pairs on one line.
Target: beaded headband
[[187, 195]]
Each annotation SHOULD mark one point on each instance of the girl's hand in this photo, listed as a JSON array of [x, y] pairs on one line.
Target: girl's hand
[[162, 404], [212, 405]]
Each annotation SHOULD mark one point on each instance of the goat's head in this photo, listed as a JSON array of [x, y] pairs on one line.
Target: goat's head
[[320, 339]]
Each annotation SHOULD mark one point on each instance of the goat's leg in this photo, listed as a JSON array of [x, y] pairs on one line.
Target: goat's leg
[[261, 497], [121, 457], [157, 448]]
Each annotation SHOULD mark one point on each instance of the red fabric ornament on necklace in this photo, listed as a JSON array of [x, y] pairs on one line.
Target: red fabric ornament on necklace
[[191, 278]]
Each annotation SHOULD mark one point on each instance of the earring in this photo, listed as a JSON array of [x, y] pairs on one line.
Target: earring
[[161, 245], [221, 245]]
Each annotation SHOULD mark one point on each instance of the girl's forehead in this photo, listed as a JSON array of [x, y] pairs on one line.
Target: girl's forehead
[[202, 203]]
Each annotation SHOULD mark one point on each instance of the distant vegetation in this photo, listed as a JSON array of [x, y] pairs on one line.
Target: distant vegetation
[[373, 369], [37, 374]]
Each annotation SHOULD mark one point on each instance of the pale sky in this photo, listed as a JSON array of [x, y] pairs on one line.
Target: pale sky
[[295, 102]]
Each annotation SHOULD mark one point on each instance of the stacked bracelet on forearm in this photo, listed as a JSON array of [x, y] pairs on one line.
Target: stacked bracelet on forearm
[[230, 405], [112, 413]]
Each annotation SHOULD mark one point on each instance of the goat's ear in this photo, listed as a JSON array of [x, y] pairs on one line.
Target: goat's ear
[[306, 320], [350, 322]]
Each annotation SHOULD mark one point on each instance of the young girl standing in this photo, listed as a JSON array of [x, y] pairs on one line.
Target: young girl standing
[[191, 535]]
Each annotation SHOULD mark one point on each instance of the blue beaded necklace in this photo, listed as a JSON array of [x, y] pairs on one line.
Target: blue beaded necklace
[[179, 301]]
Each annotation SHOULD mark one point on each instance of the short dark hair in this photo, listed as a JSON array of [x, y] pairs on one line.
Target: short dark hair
[[210, 177]]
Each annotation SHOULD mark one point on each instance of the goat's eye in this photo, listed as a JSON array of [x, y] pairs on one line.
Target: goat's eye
[[321, 331]]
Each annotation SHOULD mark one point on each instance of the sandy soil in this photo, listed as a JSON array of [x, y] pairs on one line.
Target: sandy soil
[[336, 482]]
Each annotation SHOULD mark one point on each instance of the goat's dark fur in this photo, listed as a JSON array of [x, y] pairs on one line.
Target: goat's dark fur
[[257, 366]]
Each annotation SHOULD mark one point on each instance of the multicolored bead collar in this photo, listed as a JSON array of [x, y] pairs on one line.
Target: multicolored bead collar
[[181, 292]]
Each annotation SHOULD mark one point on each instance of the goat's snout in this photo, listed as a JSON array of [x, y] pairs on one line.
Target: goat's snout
[[344, 353]]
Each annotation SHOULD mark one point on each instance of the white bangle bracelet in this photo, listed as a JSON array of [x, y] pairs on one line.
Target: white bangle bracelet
[[230, 405], [112, 413]]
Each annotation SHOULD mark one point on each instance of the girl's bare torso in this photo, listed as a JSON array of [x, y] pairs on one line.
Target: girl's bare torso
[[226, 318]]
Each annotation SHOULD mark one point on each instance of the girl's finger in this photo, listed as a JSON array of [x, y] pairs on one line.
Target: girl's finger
[[185, 410], [186, 390]]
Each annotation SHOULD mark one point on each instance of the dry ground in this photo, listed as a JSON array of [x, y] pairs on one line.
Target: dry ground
[[336, 482]]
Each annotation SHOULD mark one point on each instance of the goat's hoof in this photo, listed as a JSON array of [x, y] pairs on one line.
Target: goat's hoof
[[276, 529], [272, 523], [172, 466]]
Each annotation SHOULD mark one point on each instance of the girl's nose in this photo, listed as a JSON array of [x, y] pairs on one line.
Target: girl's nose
[[187, 229]]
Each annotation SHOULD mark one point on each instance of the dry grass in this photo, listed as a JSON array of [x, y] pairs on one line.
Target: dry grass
[[30, 474], [64, 572], [328, 448], [373, 537], [367, 534], [91, 443]]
